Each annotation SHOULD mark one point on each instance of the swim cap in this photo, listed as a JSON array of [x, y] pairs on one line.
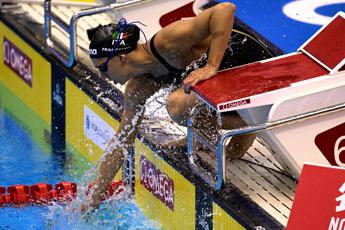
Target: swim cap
[[112, 39]]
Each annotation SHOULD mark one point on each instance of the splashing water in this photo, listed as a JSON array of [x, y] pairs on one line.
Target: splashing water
[[118, 212], [24, 162]]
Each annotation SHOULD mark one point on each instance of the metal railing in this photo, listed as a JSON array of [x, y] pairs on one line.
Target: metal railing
[[71, 28], [56, 2], [242, 131]]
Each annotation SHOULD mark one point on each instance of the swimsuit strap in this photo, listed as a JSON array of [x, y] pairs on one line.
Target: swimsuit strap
[[160, 58]]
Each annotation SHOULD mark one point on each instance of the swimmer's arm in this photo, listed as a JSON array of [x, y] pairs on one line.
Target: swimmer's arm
[[220, 26], [217, 22], [120, 145], [113, 159]]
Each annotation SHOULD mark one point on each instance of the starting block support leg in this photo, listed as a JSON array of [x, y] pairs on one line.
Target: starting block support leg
[[193, 134], [218, 151]]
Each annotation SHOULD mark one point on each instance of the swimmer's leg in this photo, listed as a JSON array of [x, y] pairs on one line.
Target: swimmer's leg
[[238, 145], [179, 105]]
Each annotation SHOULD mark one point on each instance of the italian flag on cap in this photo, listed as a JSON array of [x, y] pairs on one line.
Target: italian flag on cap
[[122, 36]]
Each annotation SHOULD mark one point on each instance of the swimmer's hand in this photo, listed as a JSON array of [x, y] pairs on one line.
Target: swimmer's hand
[[87, 212], [88, 205], [199, 75], [85, 207]]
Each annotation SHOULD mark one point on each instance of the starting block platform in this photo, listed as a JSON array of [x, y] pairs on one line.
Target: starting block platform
[[289, 101]]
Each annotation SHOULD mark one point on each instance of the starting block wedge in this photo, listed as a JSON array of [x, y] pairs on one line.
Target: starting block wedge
[[293, 102]]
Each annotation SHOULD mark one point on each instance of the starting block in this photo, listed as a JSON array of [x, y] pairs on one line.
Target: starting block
[[295, 103]]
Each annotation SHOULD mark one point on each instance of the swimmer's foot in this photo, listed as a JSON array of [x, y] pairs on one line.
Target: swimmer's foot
[[180, 144], [238, 146], [236, 149], [233, 153]]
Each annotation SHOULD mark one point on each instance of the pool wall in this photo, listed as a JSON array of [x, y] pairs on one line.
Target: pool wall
[[61, 109], [26, 100]]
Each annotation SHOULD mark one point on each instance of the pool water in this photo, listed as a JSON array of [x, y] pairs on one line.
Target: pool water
[[22, 161]]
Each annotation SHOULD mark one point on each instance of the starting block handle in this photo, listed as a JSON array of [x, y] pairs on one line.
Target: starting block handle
[[217, 185]]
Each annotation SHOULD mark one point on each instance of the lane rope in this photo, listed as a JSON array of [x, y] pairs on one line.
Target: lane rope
[[46, 194]]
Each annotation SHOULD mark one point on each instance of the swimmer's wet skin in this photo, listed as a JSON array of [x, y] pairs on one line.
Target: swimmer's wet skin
[[115, 52]]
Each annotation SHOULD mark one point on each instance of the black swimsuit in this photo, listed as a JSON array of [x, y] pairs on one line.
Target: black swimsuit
[[174, 75], [243, 48]]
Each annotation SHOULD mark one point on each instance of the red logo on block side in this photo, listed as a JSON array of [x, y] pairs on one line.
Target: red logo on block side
[[319, 201], [159, 184], [332, 145]]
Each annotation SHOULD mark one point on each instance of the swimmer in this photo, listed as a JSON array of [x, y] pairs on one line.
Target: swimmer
[[146, 68]]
